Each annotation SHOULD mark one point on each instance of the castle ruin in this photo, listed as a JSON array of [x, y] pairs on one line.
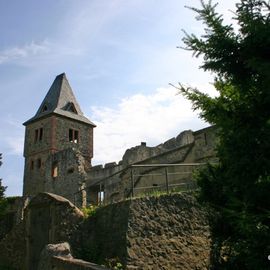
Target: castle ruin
[[39, 228], [58, 150]]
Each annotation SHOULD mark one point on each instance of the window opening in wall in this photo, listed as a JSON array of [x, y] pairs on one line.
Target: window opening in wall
[[101, 196], [39, 163], [76, 136], [73, 135], [38, 134], [205, 138], [55, 169], [45, 108], [70, 170], [71, 107], [32, 165]]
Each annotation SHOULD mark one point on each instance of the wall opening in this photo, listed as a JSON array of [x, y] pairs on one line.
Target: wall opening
[[45, 108], [39, 163], [101, 196], [205, 138], [70, 170], [38, 134], [32, 165], [54, 169], [71, 108], [73, 135]]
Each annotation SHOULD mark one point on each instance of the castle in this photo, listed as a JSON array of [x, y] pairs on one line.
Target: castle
[[58, 150], [39, 228]]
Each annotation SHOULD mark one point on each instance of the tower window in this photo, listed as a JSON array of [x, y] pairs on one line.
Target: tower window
[[45, 108], [73, 135], [70, 107], [32, 165], [38, 134], [39, 163], [55, 169]]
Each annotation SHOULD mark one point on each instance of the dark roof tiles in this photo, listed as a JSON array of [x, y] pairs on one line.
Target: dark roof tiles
[[60, 100]]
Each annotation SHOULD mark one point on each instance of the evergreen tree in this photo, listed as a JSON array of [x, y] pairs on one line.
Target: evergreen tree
[[2, 189], [238, 186], [3, 202]]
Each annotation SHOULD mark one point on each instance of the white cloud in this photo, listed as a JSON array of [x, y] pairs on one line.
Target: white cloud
[[153, 118], [15, 145], [28, 50]]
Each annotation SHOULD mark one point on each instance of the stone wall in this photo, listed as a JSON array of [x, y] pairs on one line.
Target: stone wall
[[62, 173], [54, 163], [12, 215], [59, 257], [13, 248], [166, 232], [115, 179], [71, 175], [47, 219], [61, 137]]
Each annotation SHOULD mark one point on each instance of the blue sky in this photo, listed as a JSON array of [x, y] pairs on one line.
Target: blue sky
[[119, 57]]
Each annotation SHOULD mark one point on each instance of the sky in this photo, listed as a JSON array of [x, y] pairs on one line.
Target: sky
[[119, 57]]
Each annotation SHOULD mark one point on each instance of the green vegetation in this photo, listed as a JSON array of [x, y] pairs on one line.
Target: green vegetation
[[159, 192], [90, 210], [3, 201], [114, 263], [238, 186], [5, 267]]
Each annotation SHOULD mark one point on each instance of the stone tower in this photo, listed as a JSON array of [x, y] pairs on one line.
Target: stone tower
[[58, 144]]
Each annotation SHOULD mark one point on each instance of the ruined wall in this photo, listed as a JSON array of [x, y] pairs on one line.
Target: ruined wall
[[62, 173], [59, 257], [13, 248], [12, 215], [187, 147], [71, 175], [47, 219], [166, 232]]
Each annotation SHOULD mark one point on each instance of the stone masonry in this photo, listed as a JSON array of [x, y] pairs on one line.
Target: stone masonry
[[166, 232], [115, 178], [58, 145]]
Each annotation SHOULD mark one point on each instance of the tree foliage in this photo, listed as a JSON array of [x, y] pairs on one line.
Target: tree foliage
[[2, 189], [238, 186], [3, 202]]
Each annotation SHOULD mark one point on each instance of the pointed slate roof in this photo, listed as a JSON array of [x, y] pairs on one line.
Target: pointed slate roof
[[60, 100]]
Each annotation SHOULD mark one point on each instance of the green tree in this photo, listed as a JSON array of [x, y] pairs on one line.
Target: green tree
[[2, 189], [238, 186], [3, 202]]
